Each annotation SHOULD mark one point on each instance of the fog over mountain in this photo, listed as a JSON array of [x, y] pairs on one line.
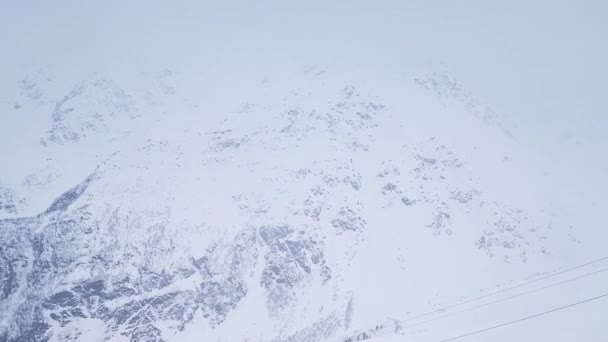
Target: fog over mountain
[[303, 171]]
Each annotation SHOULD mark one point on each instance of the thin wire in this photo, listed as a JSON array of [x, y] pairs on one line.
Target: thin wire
[[503, 290], [504, 299], [526, 318], [498, 292]]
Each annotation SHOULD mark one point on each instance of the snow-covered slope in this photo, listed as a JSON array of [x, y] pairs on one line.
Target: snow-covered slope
[[276, 211], [283, 202]]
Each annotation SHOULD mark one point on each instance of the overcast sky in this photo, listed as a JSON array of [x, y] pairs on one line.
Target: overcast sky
[[540, 62]]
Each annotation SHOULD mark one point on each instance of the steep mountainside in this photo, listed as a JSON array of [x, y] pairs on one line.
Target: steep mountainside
[[312, 209]]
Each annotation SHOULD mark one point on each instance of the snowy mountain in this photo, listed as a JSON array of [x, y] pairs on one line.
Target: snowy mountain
[[283, 202]]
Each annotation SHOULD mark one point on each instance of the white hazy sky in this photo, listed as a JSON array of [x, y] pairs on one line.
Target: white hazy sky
[[544, 59], [541, 63]]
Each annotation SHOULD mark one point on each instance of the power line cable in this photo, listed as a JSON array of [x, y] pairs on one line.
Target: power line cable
[[511, 297], [526, 318], [499, 292], [504, 290], [399, 322]]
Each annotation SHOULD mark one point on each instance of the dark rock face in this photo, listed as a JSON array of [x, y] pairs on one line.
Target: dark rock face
[[74, 119], [70, 196], [348, 220], [7, 273], [440, 221], [408, 202], [291, 258], [38, 255], [446, 87]]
